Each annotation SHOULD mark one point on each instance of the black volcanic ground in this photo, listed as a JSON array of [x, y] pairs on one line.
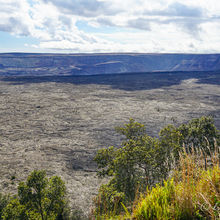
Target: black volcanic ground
[[96, 64], [58, 123]]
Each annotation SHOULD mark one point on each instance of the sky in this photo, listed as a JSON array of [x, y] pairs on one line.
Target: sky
[[110, 26]]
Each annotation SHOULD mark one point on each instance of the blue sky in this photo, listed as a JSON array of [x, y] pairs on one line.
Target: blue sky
[[86, 26]]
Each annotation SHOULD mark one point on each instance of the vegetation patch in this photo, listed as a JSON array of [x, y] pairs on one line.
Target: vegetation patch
[[180, 171]]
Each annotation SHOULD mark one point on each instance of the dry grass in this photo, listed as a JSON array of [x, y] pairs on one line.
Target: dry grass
[[192, 193]]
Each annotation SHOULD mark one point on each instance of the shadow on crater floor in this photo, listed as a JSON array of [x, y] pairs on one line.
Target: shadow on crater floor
[[129, 82]]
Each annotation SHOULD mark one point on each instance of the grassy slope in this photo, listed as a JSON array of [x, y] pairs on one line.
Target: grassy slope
[[193, 192]]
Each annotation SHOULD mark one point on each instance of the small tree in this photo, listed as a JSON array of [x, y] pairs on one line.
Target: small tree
[[38, 198], [142, 160], [135, 164], [199, 133]]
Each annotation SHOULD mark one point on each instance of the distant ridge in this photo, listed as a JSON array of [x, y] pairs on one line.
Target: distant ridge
[[37, 64]]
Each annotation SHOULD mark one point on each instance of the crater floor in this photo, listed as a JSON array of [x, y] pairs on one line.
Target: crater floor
[[58, 123]]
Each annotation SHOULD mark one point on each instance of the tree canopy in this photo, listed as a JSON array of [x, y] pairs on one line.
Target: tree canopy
[[38, 197], [142, 161]]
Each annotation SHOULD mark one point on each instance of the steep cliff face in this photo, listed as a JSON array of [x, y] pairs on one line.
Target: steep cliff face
[[95, 64]]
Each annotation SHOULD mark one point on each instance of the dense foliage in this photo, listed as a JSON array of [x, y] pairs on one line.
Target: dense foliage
[[193, 193], [38, 198], [143, 161]]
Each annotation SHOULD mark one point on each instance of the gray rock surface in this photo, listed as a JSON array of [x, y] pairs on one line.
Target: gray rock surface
[[58, 123]]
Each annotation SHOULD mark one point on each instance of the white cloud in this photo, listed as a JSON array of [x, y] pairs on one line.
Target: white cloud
[[14, 20], [116, 26]]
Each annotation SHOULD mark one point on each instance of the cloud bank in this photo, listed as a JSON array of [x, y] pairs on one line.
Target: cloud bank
[[115, 26]]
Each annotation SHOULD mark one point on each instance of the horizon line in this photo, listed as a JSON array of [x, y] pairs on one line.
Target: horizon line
[[110, 53]]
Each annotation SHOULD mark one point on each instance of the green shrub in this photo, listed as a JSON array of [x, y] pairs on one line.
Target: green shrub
[[38, 198], [193, 193], [108, 203], [157, 203], [142, 162], [4, 200]]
